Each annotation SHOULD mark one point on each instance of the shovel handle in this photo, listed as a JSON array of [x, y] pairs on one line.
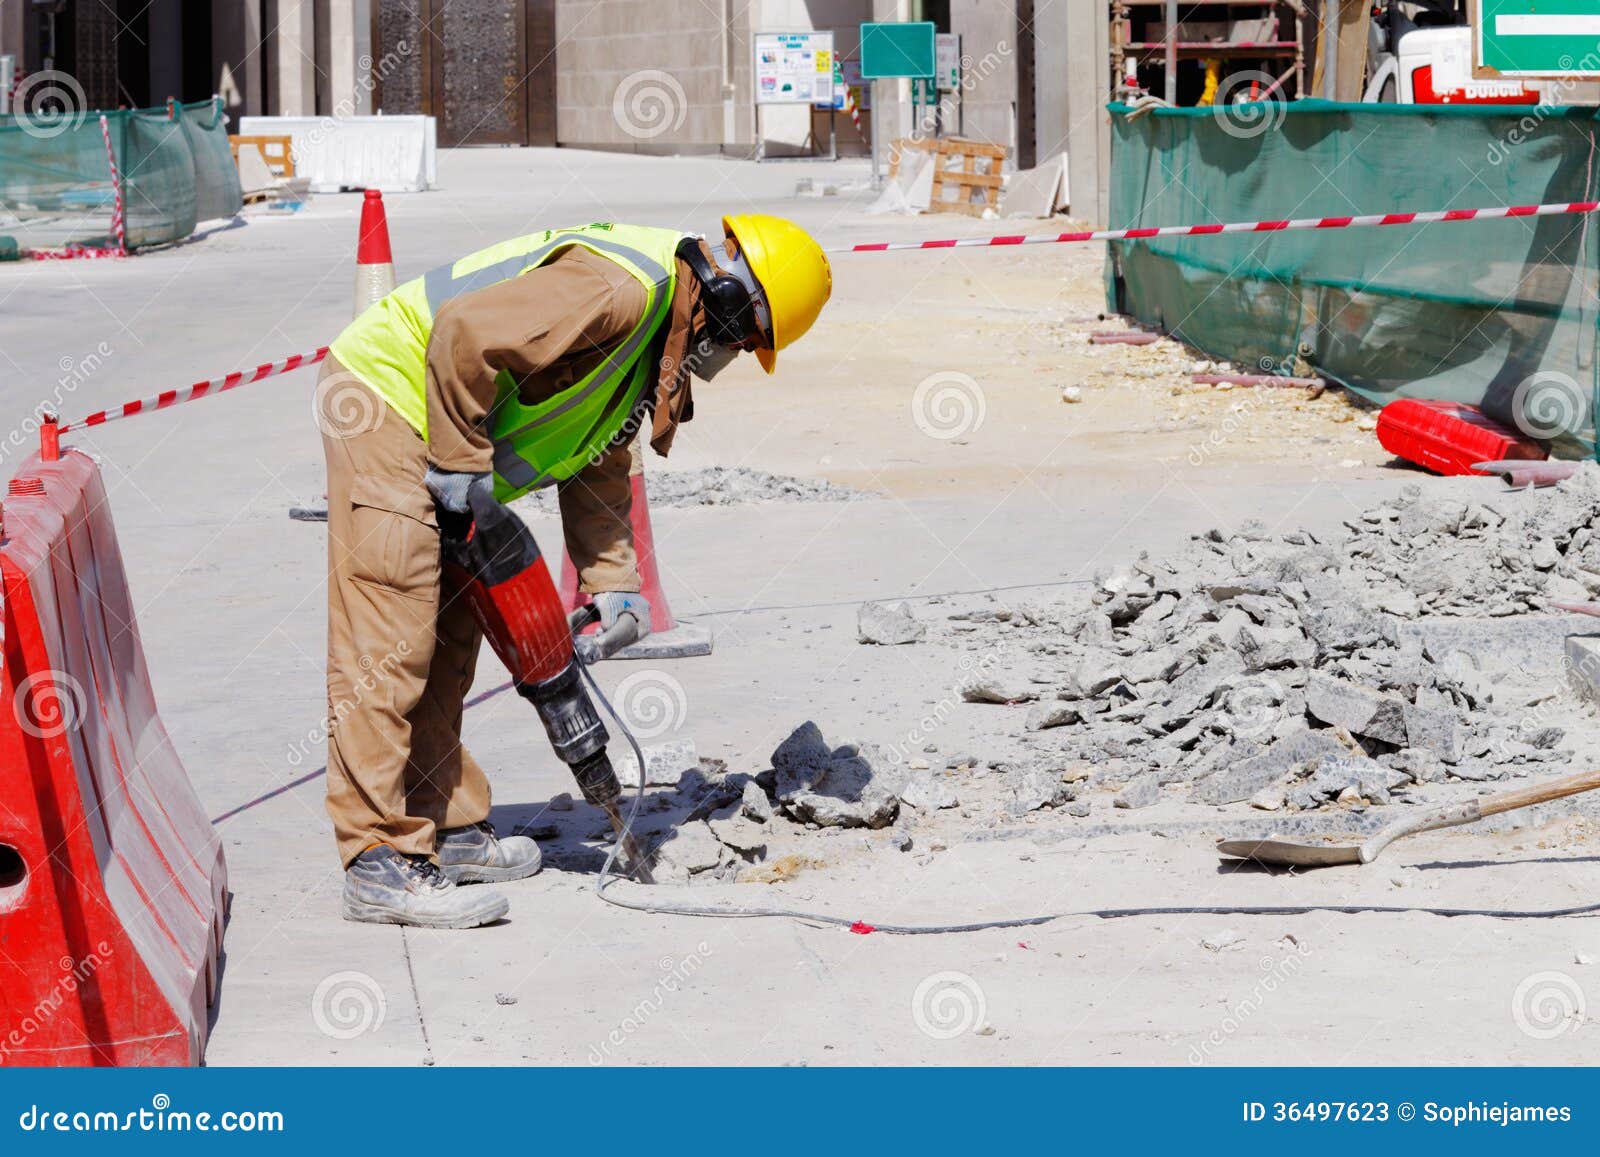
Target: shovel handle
[[1539, 793]]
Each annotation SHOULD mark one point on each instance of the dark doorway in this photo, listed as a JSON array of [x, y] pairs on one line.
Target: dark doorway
[[484, 68]]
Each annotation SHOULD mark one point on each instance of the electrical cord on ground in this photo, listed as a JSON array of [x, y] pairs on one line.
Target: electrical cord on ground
[[736, 912]]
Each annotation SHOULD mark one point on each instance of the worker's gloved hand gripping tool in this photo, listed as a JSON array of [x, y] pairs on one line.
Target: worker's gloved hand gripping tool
[[492, 559]]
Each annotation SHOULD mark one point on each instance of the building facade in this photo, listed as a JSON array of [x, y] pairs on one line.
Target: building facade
[[661, 76]]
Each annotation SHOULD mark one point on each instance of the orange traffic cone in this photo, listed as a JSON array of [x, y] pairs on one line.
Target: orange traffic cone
[[668, 638], [374, 262]]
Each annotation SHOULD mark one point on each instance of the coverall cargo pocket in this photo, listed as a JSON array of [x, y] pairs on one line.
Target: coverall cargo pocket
[[395, 536]]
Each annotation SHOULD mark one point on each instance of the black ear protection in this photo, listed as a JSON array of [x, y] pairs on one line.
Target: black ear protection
[[729, 311]]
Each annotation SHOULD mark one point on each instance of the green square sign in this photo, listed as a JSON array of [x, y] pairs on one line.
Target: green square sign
[[1537, 38], [889, 51]]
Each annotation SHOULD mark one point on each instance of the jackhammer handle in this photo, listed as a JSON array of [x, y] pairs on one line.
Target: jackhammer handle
[[623, 633]]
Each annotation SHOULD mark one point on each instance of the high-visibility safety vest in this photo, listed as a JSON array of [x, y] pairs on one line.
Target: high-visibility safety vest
[[387, 349]]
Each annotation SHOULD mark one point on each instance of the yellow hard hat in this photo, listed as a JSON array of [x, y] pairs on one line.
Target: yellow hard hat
[[792, 271]]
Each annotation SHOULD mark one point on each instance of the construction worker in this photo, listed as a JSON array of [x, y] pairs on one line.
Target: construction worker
[[534, 362]]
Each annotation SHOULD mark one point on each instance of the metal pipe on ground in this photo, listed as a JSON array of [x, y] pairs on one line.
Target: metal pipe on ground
[[1529, 472], [1268, 380]]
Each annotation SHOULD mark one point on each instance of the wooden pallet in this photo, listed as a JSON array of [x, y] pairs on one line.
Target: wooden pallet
[[956, 168]]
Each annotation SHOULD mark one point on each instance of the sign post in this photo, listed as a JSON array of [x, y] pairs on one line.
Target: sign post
[[1525, 38], [792, 68], [894, 52]]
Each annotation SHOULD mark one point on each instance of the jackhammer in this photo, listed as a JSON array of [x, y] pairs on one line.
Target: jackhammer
[[492, 559]]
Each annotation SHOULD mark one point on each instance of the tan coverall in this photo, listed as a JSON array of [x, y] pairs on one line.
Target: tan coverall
[[400, 660]]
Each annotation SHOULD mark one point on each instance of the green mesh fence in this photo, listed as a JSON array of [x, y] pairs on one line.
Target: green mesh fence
[[56, 188], [1498, 313]]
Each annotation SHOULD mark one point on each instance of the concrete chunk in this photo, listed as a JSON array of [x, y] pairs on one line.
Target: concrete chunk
[[1144, 791], [888, 624], [992, 688], [1242, 779], [1052, 713], [1360, 710], [1435, 729]]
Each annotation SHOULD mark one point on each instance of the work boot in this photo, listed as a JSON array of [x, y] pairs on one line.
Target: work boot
[[472, 855], [381, 886]]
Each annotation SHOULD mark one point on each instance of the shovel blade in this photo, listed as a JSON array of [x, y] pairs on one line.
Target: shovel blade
[[1290, 854]]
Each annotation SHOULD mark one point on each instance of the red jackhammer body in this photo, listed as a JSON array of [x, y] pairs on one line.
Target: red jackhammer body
[[494, 561]]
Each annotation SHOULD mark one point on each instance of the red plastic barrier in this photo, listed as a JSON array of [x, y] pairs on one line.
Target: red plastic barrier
[[113, 890], [1449, 437]]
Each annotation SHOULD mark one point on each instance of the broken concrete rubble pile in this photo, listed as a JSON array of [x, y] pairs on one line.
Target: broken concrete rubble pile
[[1279, 668], [814, 792], [717, 486]]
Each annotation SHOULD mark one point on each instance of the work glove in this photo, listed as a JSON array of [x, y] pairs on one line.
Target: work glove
[[453, 489], [612, 605]]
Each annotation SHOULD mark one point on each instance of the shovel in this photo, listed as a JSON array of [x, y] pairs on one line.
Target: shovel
[[1322, 853]]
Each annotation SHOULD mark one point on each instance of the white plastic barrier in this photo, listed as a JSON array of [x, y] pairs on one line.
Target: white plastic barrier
[[396, 154]]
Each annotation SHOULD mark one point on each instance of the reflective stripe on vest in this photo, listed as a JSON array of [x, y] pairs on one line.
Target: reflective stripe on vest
[[441, 285], [549, 441]]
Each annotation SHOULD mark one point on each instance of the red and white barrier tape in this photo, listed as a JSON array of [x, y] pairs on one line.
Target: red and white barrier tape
[[268, 369], [119, 229], [198, 390], [1366, 222], [854, 109]]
